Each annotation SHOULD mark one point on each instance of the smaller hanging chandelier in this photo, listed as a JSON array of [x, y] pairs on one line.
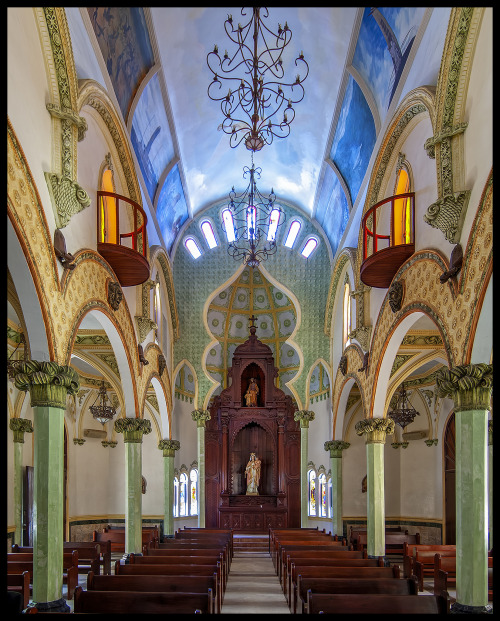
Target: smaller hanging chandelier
[[255, 93], [403, 413], [251, 221], [102, 412]]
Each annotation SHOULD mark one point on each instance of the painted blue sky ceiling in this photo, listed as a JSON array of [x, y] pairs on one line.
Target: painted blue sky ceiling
[[124, 41], [171, 210], [333, 211]]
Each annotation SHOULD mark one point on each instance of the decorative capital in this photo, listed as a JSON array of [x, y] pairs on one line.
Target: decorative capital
[[48, 383], [78, 441], [201, 417], [336, 447], [396, 445], [470, 386], [304, 416], [110, 443], [20, 426], [432, 442], [169, 447], [376, 429], [133, 428], [343, 365]]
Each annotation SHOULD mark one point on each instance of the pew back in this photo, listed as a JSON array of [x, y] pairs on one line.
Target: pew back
[[375, 603]]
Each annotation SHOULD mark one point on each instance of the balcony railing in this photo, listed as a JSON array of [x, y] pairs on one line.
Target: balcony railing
[[124, 249], [388, 238]]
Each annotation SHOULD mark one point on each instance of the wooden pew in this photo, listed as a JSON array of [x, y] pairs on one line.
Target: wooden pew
[[394, 542], [290, 556], [409, 554], [376, 603], [423, 564], [389, 586], [310, 550], [166, 584], [354, 530], [90, 557], [445, 573], [144, 602], [314, 540], [318, 570], [20, 583], [117, 539], [19, 562], [173, 570], [200, 535], [187, 553]]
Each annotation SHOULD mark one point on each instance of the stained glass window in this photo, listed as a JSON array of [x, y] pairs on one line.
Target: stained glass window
[[193, 247], [209, 234], [193, 494], [176, 497], [309, 246], [293, 231], [183, 506], [322, 495], [312, 492]]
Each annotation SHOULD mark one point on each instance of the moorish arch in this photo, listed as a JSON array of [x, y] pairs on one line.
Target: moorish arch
[[341, 405]]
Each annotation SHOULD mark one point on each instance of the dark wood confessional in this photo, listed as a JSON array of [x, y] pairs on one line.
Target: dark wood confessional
[[268, 430]]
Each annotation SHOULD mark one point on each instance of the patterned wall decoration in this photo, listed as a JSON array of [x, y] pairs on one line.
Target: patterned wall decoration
[[150, 135], [126, 49], [228, 320], [307, 279]]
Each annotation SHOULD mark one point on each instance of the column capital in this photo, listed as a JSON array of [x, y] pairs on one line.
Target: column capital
[[375, 429], [133, 428], [469, 385], [20, 426], [336, 447], [201, 417], [304, 416], [169, 447], [48, 383]]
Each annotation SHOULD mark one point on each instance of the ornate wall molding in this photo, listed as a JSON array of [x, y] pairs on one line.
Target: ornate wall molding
[[67, 196]]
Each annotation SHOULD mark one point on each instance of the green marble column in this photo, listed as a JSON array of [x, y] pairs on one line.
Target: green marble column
[[201, 417], [490, 484], [168, 447], [376, 430], [470, 386], [19, 426], [133, 429], [304, 417], [336, 447], [48, 384]]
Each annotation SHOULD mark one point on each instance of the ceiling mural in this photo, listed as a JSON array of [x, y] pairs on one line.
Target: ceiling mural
[[151, 137], [126, 49], [228, 320], [171, 209], [385, 39], [333, 210], [319, 384], [184, 387]]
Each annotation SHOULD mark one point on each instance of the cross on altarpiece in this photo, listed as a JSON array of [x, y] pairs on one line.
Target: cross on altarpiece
[[253, 319]]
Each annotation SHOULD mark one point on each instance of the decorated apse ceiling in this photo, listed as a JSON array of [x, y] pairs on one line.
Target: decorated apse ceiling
[[228, 321]]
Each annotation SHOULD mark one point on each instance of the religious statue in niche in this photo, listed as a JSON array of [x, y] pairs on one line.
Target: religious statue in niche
[[252, 472], [252, 393]]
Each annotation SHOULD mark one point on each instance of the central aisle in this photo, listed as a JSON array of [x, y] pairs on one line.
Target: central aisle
[[253, 586]]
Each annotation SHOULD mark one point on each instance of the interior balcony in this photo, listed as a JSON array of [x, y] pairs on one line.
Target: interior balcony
[[125, 251], [388, 239]]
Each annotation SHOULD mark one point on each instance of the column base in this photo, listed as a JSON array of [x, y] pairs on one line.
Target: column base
[[463, 609], [59, 605]]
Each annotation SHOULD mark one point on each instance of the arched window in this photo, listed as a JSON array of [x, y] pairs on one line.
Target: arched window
[[108, 232], [322, 495], [402, 209], [193, 492], [330, 498], [192, 247], [274, 220], [183, 490], [208, 232], [227, 218], [293, 231], [309, 247], [311, 478], [346, 314], [157, 315], [176, 497]]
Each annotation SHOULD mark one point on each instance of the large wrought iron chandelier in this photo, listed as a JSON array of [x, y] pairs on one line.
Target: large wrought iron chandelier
[[251, 221], [102, 413], [403, 413], [255, 96]]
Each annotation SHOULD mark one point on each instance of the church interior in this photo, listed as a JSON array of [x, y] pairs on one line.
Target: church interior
[[249, 292]]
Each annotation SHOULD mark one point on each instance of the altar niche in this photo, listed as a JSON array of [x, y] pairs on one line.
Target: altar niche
[[253, 439], [236, 430]]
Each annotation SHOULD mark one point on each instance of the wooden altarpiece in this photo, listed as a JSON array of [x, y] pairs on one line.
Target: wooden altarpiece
[[236, 430]]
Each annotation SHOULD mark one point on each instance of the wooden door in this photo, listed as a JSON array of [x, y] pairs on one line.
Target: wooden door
[[449, 483]]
